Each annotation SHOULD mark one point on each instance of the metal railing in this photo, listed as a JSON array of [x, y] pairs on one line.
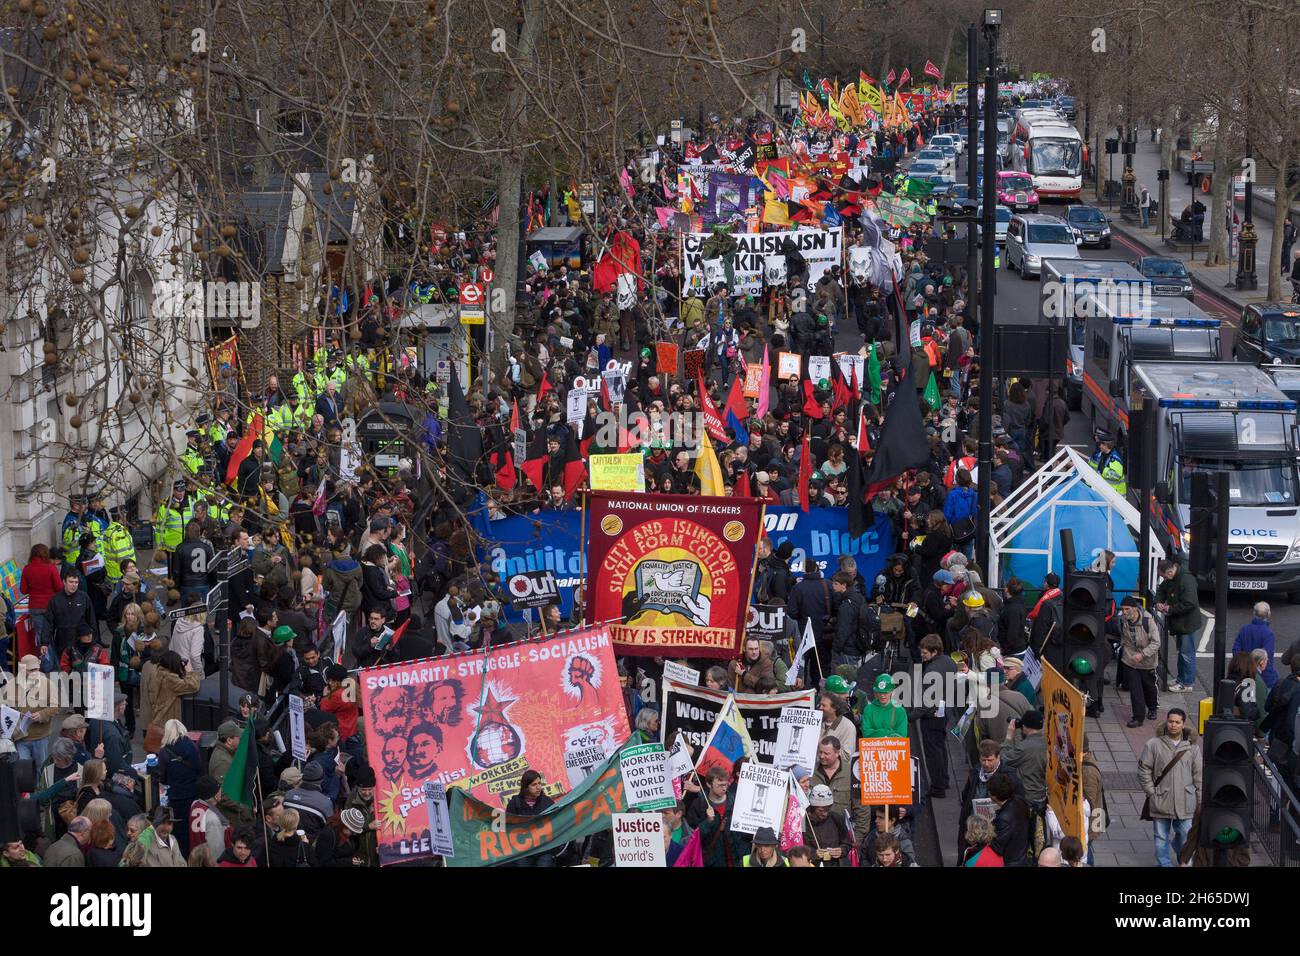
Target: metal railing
[[1276, 814]]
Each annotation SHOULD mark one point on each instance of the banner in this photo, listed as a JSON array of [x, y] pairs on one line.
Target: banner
[[477, 721], [223, 366], [551, 541], [693, 710], [484, 836], [729, 195], [821, 249], [671, 572], [617, 472], [760, 798], [1063, 716]]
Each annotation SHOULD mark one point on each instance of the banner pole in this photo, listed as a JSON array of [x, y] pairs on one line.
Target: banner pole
[[582, 556]]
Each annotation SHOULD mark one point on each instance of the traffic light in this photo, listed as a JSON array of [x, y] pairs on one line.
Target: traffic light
[[1227, 783], [1203, 526], [1083, 644]]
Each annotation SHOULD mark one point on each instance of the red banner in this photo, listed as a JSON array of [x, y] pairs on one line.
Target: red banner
[[479, 721], [672, 572]]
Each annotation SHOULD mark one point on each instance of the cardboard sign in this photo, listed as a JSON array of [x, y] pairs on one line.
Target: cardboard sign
[[520, 446], [616, 385], [639, 840], [533, 589], [787, 365], [297, 728], [645, 777], [753, 380], [99, 692], [1032, 669], [435, 801], [851, 365], [538, 261], [798, 733], [819, 367], [680, 761], [681, 673], [617, 472], [760, 798], [576, 406], [885, 771], [8, 721]]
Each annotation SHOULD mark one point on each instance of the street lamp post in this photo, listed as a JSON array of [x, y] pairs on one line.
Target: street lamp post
[[1248, 240], [992, 22], [972, 134]]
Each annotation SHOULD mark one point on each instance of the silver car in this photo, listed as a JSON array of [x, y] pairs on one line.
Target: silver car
[[1033, 237]]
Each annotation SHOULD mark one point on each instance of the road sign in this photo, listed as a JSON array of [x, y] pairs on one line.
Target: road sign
[[471, 293], [587, 198], [486, 275]]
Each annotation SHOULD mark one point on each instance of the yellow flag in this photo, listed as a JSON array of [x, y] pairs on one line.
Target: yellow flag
[[836, 113], [775, 212], [708, 470], [871, 96]]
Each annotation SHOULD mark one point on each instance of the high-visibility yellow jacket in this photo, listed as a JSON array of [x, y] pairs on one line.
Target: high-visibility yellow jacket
[[168, 527], [117, 547]]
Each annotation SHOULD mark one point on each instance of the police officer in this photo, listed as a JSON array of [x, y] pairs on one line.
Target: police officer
[[74, 523], [168, 526], [302, 387], [217, 430], [96, 517], [116, 545], [332, 372], [1107, 462], [192, 456]]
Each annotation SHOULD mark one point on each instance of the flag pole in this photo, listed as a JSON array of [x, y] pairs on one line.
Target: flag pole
[[582, 555], [257, 792]]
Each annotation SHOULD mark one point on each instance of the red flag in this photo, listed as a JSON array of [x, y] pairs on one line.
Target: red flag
[[544, 387], [840, 393], [736, 399], [514, 416], [318, 505], [712, 420], [505, 468], [397, 634], [534, 466], [902, 80], [741, 488], [932, 70], [890, 78], [864, 445], [244, 448], [811, 407], [805, 474]]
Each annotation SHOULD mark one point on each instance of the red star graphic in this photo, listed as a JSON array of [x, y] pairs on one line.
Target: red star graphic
[[493, 711]]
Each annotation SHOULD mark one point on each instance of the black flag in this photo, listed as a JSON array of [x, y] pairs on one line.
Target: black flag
[[464, 440], [856, 484], [902, 444]]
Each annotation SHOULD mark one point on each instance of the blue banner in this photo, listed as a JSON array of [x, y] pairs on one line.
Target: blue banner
[[551, 540]]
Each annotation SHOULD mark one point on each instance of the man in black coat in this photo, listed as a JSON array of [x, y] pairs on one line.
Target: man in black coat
[[938, 672], [848, 646], [811, 600], [772, 578], [70, 613], [113, 735], [1012, 821], [977, 785]]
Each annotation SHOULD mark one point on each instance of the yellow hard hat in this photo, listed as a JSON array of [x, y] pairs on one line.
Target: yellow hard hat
[[973, 599]]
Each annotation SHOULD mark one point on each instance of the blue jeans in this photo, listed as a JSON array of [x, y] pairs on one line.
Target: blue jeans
[[1170, 837], [1146, 215], [40, 626], [37, 751], [1186, 658]]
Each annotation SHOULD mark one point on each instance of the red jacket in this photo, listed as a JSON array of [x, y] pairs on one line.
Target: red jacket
[[344, 710], [73, 660], [40, 581]]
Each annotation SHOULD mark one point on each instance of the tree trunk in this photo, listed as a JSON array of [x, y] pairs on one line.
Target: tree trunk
[[1218, 249], [509, 188], [1285, 197]]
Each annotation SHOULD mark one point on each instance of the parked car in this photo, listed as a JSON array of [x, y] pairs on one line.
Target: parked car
[[1168, 276], [1090, 225]]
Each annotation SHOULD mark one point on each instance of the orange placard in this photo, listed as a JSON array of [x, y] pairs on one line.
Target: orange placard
[[665, 358], [753, 380], [788, 365], [885, 771]]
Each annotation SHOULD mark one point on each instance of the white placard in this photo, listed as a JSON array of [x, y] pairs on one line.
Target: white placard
[[340, 632], [645, 777], [681, 673], [680, 762], [576, 405], [538, 261], [851, 365], [297, 728], [99, 692], [8, 722], [639, 840], [626, 294], [798, 733], [760, 798], [1032, 669], [819, 367], [435, 801]]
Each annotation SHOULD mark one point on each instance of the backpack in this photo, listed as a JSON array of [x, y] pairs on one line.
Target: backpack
[[198, 834], [868, 626]]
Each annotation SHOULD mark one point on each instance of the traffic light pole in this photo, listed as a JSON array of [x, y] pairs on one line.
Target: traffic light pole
[[1221, 582]]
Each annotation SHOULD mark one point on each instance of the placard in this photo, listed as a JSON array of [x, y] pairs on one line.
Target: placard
[[538, 261], [99, 691], [798, 733], [760, 798], [576, 406], [8, 722], [666, 358], [852, 365], [885, 771], [681, 673], [645, 777], [297, 728], [694, 359], [435, 801], [753, 380], [639, 840], [1033, 670], [680, 761], [521, 446], [533, 589], [819, 367], [617, 472], [787, 365]]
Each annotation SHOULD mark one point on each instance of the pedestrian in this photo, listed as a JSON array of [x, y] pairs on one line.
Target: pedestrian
[[1178, 600], [1139, 647], [1258, 634], [1288, 240], [1144, 206], [1170, 771]]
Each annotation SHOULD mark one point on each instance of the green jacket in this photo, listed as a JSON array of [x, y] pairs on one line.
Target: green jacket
[[32, 860], [1184, 602], [883, 721]]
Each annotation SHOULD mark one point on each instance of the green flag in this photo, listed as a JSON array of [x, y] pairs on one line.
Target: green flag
[[918, 188], [932, 393], [873, 375], [238, 781]]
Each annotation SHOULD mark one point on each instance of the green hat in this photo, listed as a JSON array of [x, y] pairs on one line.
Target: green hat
[[822, 320], [645, 353], [823, 383], [837, 684], [947, 280], [282, 634], [884, 684]]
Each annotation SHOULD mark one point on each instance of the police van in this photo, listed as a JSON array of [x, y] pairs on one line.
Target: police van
[[1062, 285], [1117, 336], [1227, 416]]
